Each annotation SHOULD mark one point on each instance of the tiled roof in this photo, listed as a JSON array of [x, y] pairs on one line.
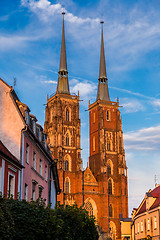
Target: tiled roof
[[155, 193]]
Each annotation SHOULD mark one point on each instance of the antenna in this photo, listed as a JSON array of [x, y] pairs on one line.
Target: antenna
[[155, 179]]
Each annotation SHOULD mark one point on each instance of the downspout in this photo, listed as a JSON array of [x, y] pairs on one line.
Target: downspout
[[22, 154]]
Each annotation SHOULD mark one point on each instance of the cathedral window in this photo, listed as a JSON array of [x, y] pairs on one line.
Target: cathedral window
[[110, 211], [67, 185], [67, 114], [108, 145], [67, 139], [109, 170], [108, 115], [66, 165], [109, 186], [89, 208], [94, 144]]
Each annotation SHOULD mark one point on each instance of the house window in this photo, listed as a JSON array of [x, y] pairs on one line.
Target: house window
[[67, 139], [27, 153], [67, 114], [33, 191], [155, 222], [108, 115], [46, 175], [109, 186], [110, 211], [67, 185], [94, 144], [89, 208], [34, 160], [141, 226], [148, 224], [11, 184], [26, 192], [40, 191], [40, 167]]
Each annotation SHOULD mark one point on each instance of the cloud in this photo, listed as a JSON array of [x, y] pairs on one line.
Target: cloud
[[131, 105], [85, 88], [46, 10], [143, 139], [44, 80]]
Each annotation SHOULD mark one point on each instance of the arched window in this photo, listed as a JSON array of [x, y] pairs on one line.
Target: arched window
[[109, 170], [108, 115], [109, 186], [110, 211], [67, 114], [67, 185], [66, 165], [67, 139], [89, 208]]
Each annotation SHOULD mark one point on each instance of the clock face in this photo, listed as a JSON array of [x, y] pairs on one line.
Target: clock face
[[87, 176]]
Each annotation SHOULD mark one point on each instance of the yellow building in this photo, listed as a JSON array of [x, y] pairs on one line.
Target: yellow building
[[125, 227], [146, 218]]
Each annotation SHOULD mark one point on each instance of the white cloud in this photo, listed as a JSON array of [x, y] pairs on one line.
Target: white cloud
[[143, 139], [85, 88], [131, 105], [45, 10]]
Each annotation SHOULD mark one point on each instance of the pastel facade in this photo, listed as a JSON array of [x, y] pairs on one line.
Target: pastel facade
[[146, 218], [102, 187], [10, 170], [26, 140]]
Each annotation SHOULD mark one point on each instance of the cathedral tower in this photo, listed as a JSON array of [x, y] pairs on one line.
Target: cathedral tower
[[62, 125], [107, 155]]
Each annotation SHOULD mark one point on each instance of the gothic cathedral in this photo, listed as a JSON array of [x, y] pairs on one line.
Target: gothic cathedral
[[102, 187]]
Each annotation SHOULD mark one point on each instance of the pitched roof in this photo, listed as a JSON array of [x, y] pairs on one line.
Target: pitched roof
[[155, 193], [7, 154]]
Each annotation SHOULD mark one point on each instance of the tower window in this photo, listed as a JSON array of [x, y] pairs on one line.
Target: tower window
[[108, 115], [110, 211], [67, 139], [109, 186], [66, 165], [94, 117], [67, 114], [109, 170], [89, 208], [108, 145], [94, 144], [67, 185]]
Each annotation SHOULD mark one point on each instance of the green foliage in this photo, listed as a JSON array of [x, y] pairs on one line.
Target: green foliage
[[33, 221], [6, 221]]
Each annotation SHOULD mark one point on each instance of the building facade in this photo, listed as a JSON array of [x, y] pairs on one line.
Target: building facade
[[146, 218], [10, 170], [24, 138], [102, 187]]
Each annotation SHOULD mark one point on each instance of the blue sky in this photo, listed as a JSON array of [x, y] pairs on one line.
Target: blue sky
[[30, 38]]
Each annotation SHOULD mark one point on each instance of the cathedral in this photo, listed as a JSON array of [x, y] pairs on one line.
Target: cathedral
[[102, 187]]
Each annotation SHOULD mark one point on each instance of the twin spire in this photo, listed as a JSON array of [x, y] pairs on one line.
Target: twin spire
[[63, 84]]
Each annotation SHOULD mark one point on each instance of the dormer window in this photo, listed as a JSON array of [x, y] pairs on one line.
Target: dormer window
[[27, 117]]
